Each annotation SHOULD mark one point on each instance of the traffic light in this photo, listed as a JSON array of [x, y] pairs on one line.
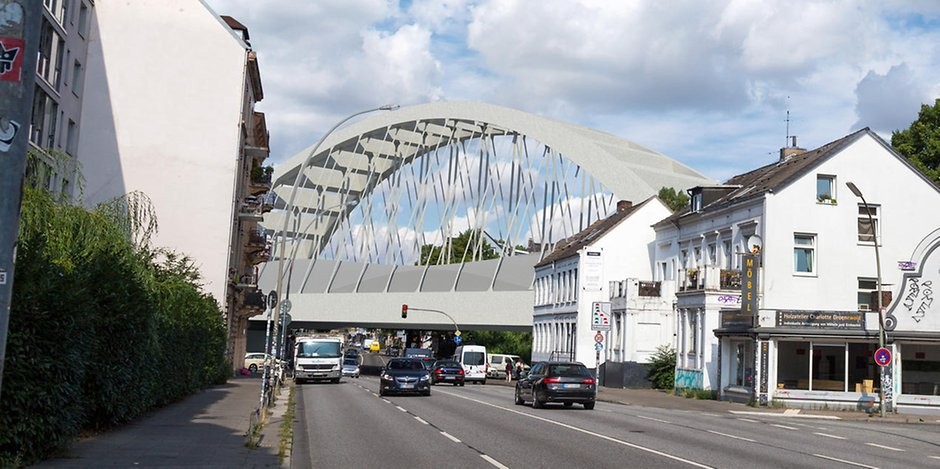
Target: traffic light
[[404, 311]]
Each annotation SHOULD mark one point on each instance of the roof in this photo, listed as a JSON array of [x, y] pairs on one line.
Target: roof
[[775, 176], [571, 245]]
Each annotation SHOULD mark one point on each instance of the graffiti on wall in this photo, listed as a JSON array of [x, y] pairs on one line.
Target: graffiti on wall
[[919, 297], [688, 379]]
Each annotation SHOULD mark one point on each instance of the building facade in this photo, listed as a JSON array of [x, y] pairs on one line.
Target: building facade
[[573, 280], [158, 99], [777, 280]]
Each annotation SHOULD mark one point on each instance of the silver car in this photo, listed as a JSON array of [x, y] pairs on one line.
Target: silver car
[[351, 367]]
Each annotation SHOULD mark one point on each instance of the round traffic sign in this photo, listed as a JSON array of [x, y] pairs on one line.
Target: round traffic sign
[[598, 347], [598, 337], [882, 356], [457, 339]]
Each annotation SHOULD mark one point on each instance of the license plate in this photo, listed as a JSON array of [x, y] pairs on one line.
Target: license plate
[[571, 386], [407, 386]]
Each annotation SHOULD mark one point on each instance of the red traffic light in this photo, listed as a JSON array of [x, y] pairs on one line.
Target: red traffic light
[[404, 311]]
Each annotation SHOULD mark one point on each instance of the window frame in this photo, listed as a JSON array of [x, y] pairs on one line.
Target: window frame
[[810, 248], [828, 196], [862, 218]]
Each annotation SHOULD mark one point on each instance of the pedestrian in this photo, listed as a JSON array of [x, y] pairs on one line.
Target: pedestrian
[[519, 368], [508, 370]]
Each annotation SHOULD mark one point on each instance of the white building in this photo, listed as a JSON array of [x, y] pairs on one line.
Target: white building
[[577, 274], [158, 98], [813, 339]]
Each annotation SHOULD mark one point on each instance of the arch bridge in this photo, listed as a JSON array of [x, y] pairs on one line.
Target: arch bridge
[[445, 206]]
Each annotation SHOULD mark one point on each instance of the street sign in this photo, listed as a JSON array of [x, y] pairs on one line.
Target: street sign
[[598, 347], [457, 339], [600, 317], [883, 356], [457, 333], [272, 299], [285, 305], [598, 337]]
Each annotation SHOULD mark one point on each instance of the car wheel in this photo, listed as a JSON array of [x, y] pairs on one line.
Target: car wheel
[[381, 392], [461, 384], [569, 404], [335, 380], [253, 368], [427, 393], [484, 381], [588, 406], [537, 403], [519, 399]]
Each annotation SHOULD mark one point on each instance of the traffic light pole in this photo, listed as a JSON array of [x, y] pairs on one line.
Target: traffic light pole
[[406, 308], [19, 40]]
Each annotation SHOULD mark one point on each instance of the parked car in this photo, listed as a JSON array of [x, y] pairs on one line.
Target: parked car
[[447, 371], [255, 361], [565, 382], [473, 359], [497, 364], [404, 375], [351, 366]]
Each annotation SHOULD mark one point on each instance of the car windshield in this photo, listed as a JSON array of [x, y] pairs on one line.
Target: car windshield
[[568, 370], [405, 365], [326, 349], [351, 361], [474, 358], [447, 364]]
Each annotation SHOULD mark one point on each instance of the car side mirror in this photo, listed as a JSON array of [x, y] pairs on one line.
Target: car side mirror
[[523, 374]]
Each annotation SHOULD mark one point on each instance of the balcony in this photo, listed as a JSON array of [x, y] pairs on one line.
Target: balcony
[[259, 181], [253, 208], [243, 281], [729, 279], [635, 288], [254, 300], [257, 137]]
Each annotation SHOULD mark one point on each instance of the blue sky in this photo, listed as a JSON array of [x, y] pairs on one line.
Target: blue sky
[[706, 83]]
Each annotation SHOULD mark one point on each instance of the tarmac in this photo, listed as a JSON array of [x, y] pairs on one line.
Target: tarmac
[[210, 429]]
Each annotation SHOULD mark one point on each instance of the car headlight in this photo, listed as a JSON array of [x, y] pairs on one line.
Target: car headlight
[[424, 377], [386, 377]]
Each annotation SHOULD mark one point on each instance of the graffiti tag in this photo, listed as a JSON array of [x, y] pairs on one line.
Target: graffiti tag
[[907, 265], [729, 299], [919, 298]]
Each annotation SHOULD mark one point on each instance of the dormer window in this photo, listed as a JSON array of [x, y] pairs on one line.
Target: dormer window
[[825, 189], [696, 201]]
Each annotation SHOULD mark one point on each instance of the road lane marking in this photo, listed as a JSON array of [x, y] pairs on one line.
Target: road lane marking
[[936, 457], [829, 436], [421, 420], [845, 461], [655, 420], [401, 408], [493, 461], [451, 437], [784, 414], [784, 426], [386, 401], [747, 420], [876, 445], [581, 430], [731, 436]]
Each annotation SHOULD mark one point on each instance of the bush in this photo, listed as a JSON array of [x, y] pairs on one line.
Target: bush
[[100, 331], [662, 367]]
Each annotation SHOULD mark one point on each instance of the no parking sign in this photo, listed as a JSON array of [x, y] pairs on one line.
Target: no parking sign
[[882, 356]]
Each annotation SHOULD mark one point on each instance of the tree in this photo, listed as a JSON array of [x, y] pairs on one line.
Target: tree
[[460, 248], [675, 200], [920, 143]]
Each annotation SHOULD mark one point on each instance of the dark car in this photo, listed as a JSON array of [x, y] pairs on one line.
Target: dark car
[[565, 382], [404, 375], [447, 371], [428, 363]]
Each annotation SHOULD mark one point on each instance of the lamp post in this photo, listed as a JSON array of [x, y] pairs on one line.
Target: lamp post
[[288, 209], [881, 319]]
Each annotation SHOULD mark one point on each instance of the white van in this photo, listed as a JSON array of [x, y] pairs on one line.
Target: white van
[[473, 359], [498, 361]]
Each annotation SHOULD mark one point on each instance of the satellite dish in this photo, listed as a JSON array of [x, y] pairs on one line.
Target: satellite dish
[[754, 244]]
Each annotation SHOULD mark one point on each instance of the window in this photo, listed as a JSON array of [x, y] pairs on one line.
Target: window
[[78, 78], [825, 188], [865, 288], [867, 232], [693, 331], [49, 60], [45, 111], [712, 254], [726, 249], [697, 202], [743, 364], [71, 138], [83, 20], [804, 246]]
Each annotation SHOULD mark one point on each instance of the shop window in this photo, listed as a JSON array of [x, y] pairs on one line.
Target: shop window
[[863, 371], [865, 288], [868, 228], [804, 249], [920, 365], [793, 365], [743, 364], [828, 368]]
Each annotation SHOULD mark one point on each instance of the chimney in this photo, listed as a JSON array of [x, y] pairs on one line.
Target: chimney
[[792, 150], [623, 205]]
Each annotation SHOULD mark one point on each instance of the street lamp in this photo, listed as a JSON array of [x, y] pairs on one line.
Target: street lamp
[[288, 209], [881, 318]]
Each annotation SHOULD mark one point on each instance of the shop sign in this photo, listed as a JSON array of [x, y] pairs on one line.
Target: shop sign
[[736, 320], [821, 319], [749, 284]]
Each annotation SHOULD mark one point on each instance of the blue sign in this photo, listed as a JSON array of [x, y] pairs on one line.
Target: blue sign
[[457, 339], [882, 356], [598, 347]]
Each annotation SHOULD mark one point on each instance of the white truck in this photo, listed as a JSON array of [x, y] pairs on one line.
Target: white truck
[[318, 358]]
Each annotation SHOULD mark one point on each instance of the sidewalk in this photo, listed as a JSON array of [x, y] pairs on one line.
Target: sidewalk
[[208, 429]]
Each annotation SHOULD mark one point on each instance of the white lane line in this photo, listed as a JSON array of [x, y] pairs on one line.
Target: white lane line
[[386, 401], [936, 457], [829, 436], [421, 420], [450, 437], [747, 420], [401, 408], [732, 436], [784, 415], [844, 461], [784, 426], [493, 462], [586, 432], [651, 418], [876, 445]]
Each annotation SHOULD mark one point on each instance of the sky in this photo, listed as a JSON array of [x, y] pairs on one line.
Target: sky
[[711, 84]]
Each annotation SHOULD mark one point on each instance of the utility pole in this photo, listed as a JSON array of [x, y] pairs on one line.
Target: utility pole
[[19, 44]]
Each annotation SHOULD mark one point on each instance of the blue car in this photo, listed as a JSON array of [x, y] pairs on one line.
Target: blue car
[[405, 375]]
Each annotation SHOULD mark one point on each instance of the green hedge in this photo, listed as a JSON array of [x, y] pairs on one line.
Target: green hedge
[[100, 332]]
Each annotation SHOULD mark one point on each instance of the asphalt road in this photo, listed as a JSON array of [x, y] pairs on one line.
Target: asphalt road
[[349, 425]]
